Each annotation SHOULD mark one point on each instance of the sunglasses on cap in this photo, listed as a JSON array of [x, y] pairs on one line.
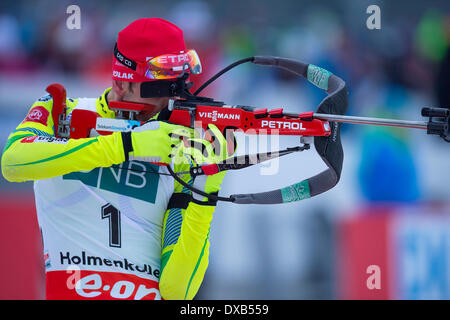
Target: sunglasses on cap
[[167, 66]]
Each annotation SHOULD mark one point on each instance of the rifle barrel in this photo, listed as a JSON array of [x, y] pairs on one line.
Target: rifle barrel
[[372, 121]]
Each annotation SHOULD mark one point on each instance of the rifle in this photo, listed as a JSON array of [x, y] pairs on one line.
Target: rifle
[[321, 127]]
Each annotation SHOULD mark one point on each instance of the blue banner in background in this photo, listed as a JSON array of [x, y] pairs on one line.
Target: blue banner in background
[[422, 256]]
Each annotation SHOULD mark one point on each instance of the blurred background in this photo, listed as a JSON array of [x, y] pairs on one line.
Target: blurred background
[[391, 208]]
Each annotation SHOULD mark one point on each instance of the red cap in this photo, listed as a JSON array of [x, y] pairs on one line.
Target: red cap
[[144, 39]]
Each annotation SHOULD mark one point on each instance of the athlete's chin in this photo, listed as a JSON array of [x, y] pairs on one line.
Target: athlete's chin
[[145, 116]]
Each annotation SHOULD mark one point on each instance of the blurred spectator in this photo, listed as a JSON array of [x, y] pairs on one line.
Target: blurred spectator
[[443, 82], [196, 19], [387, 171], [13, 55], [443, 78]]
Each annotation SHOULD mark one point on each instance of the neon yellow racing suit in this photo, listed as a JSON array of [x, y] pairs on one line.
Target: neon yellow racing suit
[[111, 229]]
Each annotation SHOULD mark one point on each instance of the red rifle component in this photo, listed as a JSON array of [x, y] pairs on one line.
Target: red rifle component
[[210, 169], [58, 93], [276, 113], [251, 123], [260, 113], [130, 106], [306, 116], [81, 123]]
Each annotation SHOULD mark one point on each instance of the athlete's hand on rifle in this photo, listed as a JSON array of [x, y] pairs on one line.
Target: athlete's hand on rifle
[[208, 151], [155, 141]]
